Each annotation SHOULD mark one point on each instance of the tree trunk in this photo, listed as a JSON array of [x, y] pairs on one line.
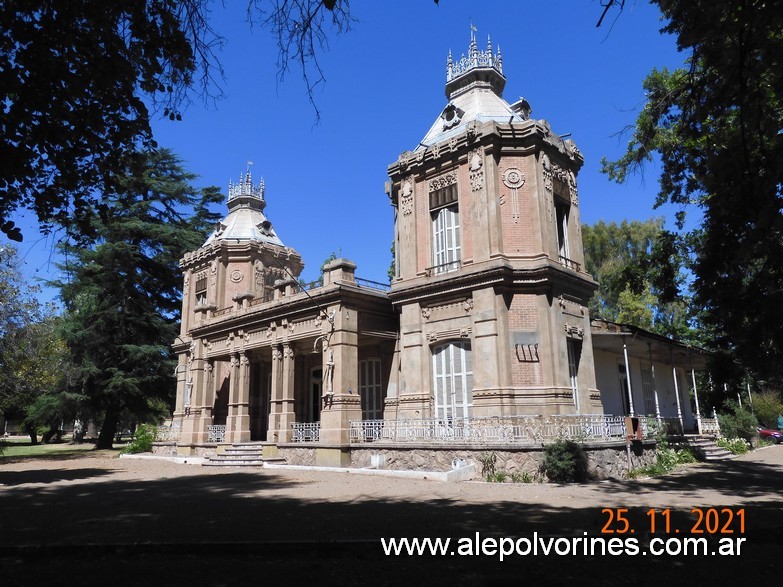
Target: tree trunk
[[108, 430], [31, 430]]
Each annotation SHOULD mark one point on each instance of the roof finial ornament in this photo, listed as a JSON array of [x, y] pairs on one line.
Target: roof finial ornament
[[489, 45]]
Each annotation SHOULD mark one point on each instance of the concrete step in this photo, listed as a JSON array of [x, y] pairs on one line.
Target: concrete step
[[248, 454], [707, 450]]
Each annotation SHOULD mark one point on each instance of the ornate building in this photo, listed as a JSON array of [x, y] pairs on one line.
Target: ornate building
[[490, 282], [484, 335]]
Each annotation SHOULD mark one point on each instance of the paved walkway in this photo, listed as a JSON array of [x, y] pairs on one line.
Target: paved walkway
[[174, 523]]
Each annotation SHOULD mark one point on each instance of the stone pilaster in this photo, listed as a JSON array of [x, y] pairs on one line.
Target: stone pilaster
[[344, 404], [275, 407], [238, 421]]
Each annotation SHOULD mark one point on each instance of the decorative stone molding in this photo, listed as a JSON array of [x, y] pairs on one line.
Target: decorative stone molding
[[406, 196], [426, 312], [574, 331], [449, 334], [475, 164], [467, 305], [288, 352], [570, 307], [442, 181], [572, 189], [236, 276], [436, 151], [513, 178], [472, 131], [453, 144]]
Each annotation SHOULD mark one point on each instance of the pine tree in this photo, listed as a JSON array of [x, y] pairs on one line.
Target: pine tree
[[122, 292]]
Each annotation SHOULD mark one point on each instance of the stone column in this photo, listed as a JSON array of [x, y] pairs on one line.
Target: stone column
[[238, 421], [286, 406], [275, 408]]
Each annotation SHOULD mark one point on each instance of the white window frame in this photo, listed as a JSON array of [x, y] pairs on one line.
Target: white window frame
[[561, 218], [452, 375], [572, 346], [446, 247], [371, 388]]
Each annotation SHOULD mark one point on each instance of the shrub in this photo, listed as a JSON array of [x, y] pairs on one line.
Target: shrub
[[738, 423], [736, 446], [521, 477], [142, 440], [768, 407], [488, 461], [565, 462]]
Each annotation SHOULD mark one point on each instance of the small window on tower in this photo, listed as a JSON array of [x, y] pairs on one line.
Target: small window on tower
[[201, 291]]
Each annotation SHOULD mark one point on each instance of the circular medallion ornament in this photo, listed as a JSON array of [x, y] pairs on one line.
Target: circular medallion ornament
[[237, 276], [513, 178]]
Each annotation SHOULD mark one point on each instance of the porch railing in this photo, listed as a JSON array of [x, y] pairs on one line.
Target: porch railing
[[306, 431], [709, 426], [216, 433], [168, 433], [523, 430]]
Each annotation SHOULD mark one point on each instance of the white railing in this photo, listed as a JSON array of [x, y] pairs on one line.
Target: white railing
[[709, 426], [168, 433], [216, 433], [306, 431], [530, 430]]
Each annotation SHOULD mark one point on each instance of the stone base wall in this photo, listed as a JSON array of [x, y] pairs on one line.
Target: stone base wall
[[170, 449], [304, 455], [604, 462]]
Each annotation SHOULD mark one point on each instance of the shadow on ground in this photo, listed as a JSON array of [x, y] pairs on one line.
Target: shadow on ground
[[240, 528]]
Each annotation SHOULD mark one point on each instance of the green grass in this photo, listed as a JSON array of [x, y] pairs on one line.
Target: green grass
[[20, 447]]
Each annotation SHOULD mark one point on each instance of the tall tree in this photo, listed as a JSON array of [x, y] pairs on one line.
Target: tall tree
[[79, 81], [716, 126], [624, 259], [122, 294]]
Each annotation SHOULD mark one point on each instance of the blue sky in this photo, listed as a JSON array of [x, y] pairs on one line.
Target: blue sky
[[384, 88]]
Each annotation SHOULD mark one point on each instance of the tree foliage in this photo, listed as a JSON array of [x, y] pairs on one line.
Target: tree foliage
[[122, 293], [716, 126], [627, 260], [34, 361], [80, 81], [72, 78]]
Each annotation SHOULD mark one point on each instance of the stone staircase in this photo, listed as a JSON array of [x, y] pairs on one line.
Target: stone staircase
[[704, 447], [246, 454]]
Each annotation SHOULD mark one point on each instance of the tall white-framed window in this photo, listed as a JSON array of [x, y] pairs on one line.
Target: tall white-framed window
[[574, 348], [452, 370], [446, 249], [561, 213], [371, 389]]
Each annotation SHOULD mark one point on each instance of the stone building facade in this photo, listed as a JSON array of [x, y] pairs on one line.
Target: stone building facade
[[489, 271], [483, 336]]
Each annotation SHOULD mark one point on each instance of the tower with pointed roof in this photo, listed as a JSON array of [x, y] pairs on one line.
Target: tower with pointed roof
[[490, 280], [241, 264]]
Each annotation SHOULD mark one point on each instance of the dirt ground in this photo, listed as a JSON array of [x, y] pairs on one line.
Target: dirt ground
[[99, 518]]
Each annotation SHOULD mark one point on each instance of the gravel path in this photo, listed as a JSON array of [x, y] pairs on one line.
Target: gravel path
[[100, 513]]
